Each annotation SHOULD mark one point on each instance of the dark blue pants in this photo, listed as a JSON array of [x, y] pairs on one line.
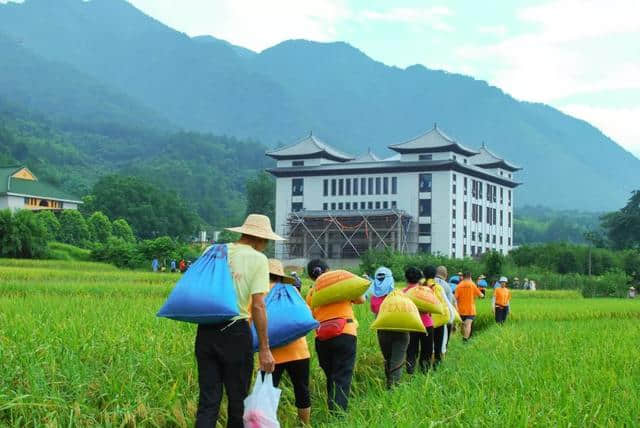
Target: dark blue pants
[[337, 358], [501, 314]]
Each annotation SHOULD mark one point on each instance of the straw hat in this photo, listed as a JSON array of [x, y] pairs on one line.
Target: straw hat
[[276, 268], [503, 279], [259, 226], [482, 277]]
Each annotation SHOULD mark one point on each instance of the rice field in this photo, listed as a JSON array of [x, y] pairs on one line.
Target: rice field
[[80, 346]]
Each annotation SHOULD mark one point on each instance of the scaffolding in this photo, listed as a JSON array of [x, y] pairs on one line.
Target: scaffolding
[[348, 234]]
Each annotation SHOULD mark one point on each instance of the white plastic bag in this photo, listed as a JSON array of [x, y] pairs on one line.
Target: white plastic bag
[[261, 406]]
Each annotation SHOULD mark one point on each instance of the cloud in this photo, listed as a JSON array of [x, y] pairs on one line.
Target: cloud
[[433, 17], [618, 124], [252, 24], [495, 30]]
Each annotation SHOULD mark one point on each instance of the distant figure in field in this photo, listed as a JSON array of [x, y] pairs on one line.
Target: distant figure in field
[[532, 285], [173, 265], [526, 285], [516, 283], [466, 293], [441, 278], [155, 265], [182, 265], [419, 343], [482, 284], [501, 301], [632, 293]]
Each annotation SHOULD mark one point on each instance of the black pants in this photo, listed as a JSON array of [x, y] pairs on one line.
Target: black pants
[[501, 314], [438, 338], [337, 358], [225, 357], [299, 374], [393, 345], [420, 344], [449, 333]]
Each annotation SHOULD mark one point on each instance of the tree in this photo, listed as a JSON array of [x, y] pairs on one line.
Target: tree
[[494, 262], [51, 223], [623, 227], [160, 248], [22, 235], [150, 211], [99, 227], [73, 228], [261, 195], [122, 230]]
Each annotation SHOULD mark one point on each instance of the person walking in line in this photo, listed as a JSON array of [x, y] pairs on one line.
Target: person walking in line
[[173, 266], [482, 284], [182, 265], [294, 357], [501, 301], [155, 265], [439, 326], [466, 293], [336, 341], [393, 344], [441, 279], [419, 343], [224, 352]]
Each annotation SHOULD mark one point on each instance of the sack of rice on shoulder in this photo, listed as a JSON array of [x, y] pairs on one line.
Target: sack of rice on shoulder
[[398, 313], [338, 286], [425, 299], [444, 318]]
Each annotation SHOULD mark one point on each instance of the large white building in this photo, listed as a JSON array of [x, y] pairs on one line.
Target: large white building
[[435, 195]]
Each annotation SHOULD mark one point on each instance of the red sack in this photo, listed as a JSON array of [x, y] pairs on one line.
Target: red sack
[[330, 328]]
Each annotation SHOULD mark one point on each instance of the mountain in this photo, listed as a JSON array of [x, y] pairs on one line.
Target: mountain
[[348, 99]]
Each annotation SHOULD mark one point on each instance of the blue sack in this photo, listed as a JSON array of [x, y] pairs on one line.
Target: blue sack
[[288, 317], [206, 293]]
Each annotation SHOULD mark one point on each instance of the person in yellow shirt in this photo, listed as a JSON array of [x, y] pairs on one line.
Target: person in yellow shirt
[[224, 352], [466, 293], [336, 351], [501, 301], [293, 357]]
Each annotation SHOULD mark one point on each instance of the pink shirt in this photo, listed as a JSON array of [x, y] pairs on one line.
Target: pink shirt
[[425, 316], [375, 303]]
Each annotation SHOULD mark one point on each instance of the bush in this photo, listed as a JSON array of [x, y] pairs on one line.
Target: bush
[[73, 228], [51, 223], [22, 235], [119, 252], [121, 229], [99, 227]]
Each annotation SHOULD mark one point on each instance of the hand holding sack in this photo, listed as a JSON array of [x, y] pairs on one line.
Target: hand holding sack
[[425, 299], [261, 406], [398, 313], [288, 317], [205, 294], [338, 286]]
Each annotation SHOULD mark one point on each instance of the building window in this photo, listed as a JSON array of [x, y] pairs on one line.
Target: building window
[[454, 178], [297, 163], [348, 188], [501, 218], [355, 205], [370, 185], [377, 205], [480, 186], [296, 206], [509, 193], [363, 205], [453, 214], [378, 185], [509, 219], [495, 213], [370, 205], [424, 248], [425, 157], [347, 206], [509, 241], [455, 157], [341, 187], [425, 208], [325, 206], [455, 189], [473, 250], [473, 236], [493, 239], [501, 240], [355, 186], [465, 186], [333, 206], [325, 187], [425, 182], [488, 238], [479, 237], [488, 215], [464, 210], [385, 205], [479, 213], [453, 234], [385, 186], [394, 204], [333, 187], [465, 161], [340, 206], [424, 229], [363, 186], [297, 187], [394, 185], [464, 232]]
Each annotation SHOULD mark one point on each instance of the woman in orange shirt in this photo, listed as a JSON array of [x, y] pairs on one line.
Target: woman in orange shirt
[[294, 357], [336, 341]]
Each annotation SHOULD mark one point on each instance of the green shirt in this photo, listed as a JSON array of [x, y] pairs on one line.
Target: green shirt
[[250, 270]]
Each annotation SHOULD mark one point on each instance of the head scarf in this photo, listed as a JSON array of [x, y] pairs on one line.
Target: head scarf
[[383, 286]]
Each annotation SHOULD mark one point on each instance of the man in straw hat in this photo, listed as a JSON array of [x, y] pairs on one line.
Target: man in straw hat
[[224, 351]]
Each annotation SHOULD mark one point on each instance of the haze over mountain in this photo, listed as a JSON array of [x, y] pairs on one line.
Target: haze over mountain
[[280, 94]]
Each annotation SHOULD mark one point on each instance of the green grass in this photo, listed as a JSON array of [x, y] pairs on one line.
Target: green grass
[[80, 346]]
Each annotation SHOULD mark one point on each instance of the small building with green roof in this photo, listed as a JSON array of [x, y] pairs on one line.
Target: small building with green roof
[[21, 189]]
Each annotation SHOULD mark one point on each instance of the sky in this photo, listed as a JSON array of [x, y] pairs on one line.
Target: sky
[[579, 56]]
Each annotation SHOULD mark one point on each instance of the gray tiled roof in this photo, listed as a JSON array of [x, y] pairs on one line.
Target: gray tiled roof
[[488, 158], [431, 140], [308, 146], [367, 157]]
